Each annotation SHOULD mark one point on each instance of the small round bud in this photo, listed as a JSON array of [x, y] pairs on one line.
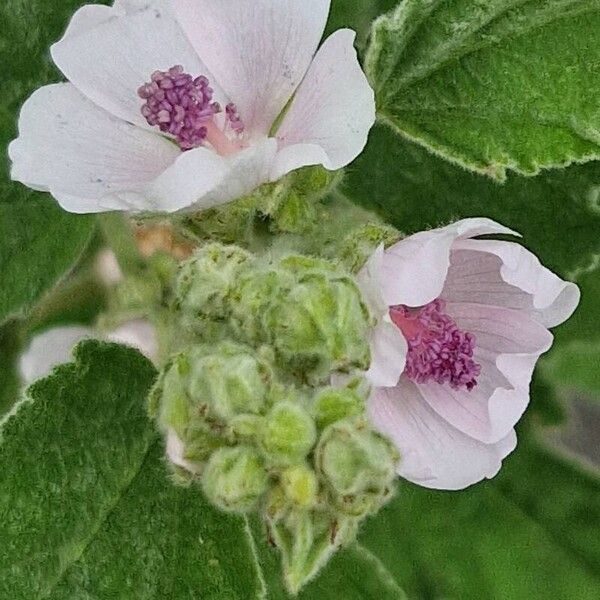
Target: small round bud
[[230, 380], [335, 404], [235, 479], [289, 434], [358, 465], [300, 485], [205, 280]]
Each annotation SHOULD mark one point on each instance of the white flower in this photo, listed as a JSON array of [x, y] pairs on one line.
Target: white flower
[[54, 346], [175, 104], [462, 324]]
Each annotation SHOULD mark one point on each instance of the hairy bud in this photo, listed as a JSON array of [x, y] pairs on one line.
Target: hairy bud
[[358, 465], [235, 479]]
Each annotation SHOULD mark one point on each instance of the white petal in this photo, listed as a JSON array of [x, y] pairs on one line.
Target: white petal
[[334, 107], [82, 154], [175, 450], [201, 178], [388, 355], [553, 299], [138, 334], [432, 452], [111, 60], [414, 270], [50, 349], [258, 50], [369, 281]]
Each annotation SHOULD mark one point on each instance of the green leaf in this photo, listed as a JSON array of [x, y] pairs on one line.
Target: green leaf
[[39, 242], [531, 533], [87, 508], [492, 84], [352, 574], [414, 190]]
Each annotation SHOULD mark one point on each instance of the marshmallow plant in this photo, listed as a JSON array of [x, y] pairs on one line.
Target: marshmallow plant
[[305, 359]]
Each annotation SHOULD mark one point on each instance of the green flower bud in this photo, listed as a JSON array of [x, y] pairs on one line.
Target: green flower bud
[[289, 434], [300, 486], [358, 465], [206, 279], [321, 324], [335, 404], [235, 479], [231, 380]]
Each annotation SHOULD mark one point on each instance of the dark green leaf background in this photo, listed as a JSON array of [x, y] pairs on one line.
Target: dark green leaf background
[[87, 510]]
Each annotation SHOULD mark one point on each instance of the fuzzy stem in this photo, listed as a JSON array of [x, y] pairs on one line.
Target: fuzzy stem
[[118, 234]]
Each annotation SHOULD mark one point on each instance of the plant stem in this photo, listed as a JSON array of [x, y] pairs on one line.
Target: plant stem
[[118, 234]]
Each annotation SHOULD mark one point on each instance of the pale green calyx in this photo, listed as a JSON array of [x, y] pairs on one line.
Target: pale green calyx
[[289, 434], [358, 466], [205, 280], [235, 479]]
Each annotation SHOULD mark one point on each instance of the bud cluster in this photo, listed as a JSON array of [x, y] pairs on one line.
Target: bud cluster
[[250, 413]]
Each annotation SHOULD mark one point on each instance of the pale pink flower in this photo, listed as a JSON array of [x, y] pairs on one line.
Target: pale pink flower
[[186, 104], [462, 322]]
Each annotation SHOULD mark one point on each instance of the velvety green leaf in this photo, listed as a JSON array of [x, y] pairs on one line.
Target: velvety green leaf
[[353, 574], [414, 190], [87, 507], [38, 241], [531, 533], [492, 84]]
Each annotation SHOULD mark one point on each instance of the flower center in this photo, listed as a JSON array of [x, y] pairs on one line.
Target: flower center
[[183, 107], [438, 350]]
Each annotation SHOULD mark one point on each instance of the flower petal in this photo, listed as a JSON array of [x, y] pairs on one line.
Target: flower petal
[[388, 355], [508, 345], [175, 450], [89, 160], [50, 349], [432, 452], [138, 334], [334, 107], [369, 281], [258, 50], [414, 270], [201, 178], [552, 300], [111, 60]]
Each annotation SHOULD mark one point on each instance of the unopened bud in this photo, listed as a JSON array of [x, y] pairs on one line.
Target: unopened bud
[[335, 404], [289, 434], [235, 479], [358, 465]]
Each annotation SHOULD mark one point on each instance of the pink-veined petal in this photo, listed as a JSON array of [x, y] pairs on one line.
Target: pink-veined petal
[[258, 50], [414, 270], [432, 452], [552, 299], [333, 109]]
